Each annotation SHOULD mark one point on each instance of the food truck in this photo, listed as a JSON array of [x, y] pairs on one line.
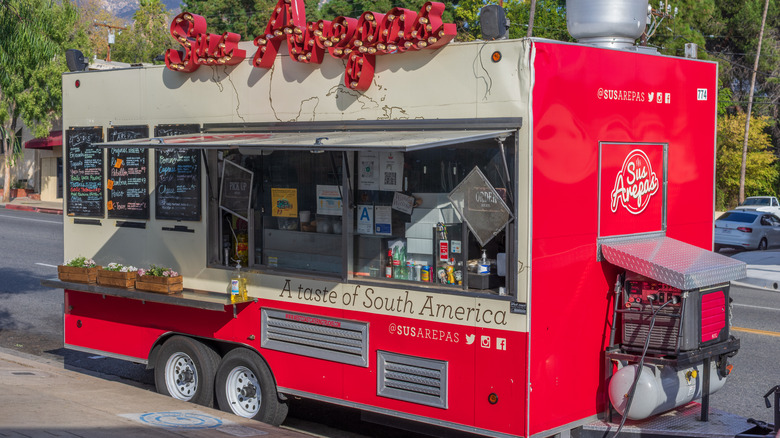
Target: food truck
[[490, 237]]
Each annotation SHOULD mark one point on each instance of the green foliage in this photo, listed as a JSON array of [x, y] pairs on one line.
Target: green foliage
[[81, 262], [549, 19], [761, 174], [147, 38], [33, 38]]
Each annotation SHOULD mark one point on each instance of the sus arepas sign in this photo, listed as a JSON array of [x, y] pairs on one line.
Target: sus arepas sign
[[358, 40], [632, 195]]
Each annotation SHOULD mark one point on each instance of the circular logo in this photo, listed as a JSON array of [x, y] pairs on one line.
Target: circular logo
[[181, 420], [635, 184]]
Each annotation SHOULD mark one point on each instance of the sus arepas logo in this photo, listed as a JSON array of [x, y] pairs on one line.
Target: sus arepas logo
[[635, 184]]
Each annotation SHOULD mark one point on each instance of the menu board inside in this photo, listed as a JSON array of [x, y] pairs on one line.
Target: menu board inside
[[84, 172], [128, 179], [177, 173]]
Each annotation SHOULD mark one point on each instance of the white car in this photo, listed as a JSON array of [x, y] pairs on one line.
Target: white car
[[747, 229], [761, 203]]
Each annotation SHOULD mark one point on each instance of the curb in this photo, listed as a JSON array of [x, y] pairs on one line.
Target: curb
[[32, 209]]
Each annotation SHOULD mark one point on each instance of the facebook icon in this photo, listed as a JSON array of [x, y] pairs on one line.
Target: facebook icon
[[500, 343]]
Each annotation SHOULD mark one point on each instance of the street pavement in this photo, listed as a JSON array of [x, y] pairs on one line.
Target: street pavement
[[43, 399]]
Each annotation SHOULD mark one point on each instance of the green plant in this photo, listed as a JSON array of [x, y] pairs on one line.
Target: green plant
[[158, 271], [81, 262], [116, 267]]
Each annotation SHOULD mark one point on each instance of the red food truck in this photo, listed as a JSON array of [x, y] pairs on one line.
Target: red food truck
[[490, 237]]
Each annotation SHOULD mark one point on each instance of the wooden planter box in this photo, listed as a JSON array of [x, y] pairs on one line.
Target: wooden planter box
[[78, 275], [165, 285], [116, 278]]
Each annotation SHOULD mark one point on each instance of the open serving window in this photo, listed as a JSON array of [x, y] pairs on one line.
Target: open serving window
[[420, 208]]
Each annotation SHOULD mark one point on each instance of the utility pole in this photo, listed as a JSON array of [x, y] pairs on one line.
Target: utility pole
[[531, 19], [111, 29], [750, 109]]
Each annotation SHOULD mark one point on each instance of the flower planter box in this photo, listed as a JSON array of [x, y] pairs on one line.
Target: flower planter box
[[116, 278], [78, 275], [165, 285]]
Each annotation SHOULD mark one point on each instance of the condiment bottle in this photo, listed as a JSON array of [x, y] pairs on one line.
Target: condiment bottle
[[238, 292], [389, 264]]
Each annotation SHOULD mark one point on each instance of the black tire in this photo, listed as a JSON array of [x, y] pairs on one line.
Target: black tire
[[763, 244], [717, 248], [185, 370], [245, 386]]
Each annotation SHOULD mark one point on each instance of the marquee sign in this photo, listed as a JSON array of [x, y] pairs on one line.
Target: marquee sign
[[358, 40]]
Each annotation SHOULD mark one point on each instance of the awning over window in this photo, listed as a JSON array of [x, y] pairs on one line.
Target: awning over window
[[672, 262], [314, 141], [53, 140]]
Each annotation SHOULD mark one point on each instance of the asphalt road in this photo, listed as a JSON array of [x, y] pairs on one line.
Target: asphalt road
[[31, 322]]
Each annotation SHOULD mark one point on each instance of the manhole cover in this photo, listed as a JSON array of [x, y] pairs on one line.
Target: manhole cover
[[189, 420]]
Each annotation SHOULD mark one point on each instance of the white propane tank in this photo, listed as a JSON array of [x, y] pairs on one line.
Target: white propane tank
[[660, 388]]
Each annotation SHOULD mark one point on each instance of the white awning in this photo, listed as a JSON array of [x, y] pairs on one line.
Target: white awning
[[248, 143], [672, 262]]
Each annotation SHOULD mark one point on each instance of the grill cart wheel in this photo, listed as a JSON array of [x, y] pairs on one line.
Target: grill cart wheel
[[246, 387], [185, 370]]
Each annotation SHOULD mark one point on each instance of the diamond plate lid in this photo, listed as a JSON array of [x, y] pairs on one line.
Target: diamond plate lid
[[672, 262]]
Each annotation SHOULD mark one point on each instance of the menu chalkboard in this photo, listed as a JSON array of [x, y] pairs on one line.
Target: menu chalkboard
[[84, 172], [236, 191], [177, 173], [128, 179]]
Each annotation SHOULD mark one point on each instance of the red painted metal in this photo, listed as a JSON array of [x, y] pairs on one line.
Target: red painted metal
[[582, 97], [713, 315]]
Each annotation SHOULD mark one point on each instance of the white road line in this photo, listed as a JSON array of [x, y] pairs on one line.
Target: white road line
[[755, 307], [28, 219], [48, 266]]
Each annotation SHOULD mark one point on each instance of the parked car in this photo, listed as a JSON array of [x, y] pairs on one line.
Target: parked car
[[761, 203], [747, 229]]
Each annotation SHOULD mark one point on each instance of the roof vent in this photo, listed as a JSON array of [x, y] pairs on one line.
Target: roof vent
[[606, 23]]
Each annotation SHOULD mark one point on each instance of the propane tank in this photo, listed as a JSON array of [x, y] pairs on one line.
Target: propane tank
[[660, 388], [606, 23]]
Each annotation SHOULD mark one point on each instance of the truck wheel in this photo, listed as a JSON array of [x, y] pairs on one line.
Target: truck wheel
[[246, 387], [763, 244], [185, 370]]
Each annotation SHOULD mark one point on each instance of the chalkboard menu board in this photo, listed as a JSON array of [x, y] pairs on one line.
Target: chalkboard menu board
[[177, 172], [236, 191], [128, 179], [84, 172]]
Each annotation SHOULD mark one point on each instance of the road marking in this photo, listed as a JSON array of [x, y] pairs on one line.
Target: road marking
[[756, 331], [756, 307], [48, 266], [28, 219]]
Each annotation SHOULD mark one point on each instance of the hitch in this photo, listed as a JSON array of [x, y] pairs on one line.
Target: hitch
[[776, 392]]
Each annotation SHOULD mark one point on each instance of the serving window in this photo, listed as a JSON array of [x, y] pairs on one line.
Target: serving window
[[432, 216]]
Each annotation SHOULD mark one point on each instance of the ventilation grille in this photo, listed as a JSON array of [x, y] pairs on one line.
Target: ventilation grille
[[315, 336], [412, 379], [664, 337]]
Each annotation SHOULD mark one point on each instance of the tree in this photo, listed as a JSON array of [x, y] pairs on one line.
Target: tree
[[33, 34], [762, 173], [148, 37], [92, 13], [247, 18]]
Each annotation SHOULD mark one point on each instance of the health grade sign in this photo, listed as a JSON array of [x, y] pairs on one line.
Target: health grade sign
[[631, 197]]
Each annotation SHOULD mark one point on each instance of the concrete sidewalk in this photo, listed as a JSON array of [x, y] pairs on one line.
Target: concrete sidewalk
[[27, 204], [41, 399]]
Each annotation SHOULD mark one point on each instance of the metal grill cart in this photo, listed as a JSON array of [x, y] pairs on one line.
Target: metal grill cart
[[673, 313]]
